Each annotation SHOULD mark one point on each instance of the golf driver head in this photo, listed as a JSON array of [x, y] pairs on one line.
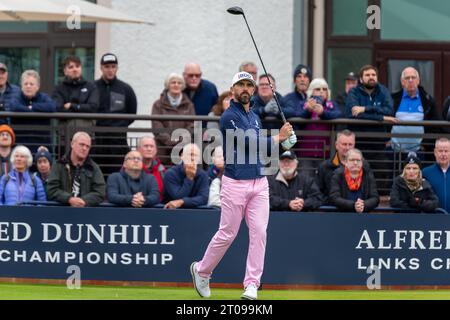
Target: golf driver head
[[239, 11], [236, 10]]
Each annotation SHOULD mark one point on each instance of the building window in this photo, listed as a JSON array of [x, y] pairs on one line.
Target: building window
[[43, 46], [341, 61], [21, 27], [349, 18], [349, 44], [415, 20], [19, 60], [86, 55], [426, 70]]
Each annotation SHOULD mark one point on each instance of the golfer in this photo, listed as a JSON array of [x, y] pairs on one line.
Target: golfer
[[244, 192]]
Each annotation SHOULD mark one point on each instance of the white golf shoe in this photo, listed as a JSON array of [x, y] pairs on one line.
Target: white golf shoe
[[201, 284], [250, 293]]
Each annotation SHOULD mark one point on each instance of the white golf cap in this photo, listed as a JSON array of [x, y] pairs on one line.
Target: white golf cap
[[241, 76]]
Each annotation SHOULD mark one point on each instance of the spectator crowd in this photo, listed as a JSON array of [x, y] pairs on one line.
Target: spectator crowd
[[308, 176]]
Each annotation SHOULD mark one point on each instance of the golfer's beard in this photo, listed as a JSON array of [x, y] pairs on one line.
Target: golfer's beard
[[244, 98]]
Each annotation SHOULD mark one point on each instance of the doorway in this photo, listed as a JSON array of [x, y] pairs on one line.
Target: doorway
[[428, 59]]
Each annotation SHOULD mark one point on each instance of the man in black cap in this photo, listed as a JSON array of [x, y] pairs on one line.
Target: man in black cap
[[116, 96], [291, 190], [351, 81], [293, 100], [7, 91]]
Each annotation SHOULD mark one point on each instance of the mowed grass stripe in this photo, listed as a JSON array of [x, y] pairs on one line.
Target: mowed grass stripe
[[53, 292]]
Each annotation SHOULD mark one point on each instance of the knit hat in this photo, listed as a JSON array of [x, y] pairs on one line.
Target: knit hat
[[5, 127], [43, 152], [301, 68], [412, 158]]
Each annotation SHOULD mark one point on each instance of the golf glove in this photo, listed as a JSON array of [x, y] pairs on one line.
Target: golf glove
[[289, 142]]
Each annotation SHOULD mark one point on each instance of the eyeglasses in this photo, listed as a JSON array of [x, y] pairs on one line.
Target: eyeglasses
[[139, 159], [85, 146], [193, 75], [321, 89], [354, 160]]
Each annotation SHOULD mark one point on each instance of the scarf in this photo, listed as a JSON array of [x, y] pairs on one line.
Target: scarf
[[174, 102], [336, 162], [353, 184], [413, 185]]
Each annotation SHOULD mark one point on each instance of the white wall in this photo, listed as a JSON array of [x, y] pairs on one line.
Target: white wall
[[200, 31]]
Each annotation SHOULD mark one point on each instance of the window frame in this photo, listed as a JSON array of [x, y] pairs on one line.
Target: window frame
[[48, 42]]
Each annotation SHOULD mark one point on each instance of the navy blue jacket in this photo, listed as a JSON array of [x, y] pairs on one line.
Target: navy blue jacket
[[204, 98], [440, 182], [378, 104], [258, 108], [293, 102], [41, 102], [177, 186], [120, 189], [245, 163], [12, 91]]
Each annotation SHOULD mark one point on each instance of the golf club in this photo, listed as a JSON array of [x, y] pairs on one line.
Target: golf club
[[239, 11]]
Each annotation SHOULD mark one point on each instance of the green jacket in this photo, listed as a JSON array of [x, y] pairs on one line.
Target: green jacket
[[92, 189]]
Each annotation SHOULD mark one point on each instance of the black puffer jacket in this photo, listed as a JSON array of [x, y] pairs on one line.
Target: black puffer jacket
[[82, 95], [424, 200], [339, 191], [282, 192]]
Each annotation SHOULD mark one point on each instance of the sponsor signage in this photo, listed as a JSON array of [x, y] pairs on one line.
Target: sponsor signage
[[157, 245]]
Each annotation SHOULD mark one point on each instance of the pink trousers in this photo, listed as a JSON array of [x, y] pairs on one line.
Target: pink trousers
[[240, 199]]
